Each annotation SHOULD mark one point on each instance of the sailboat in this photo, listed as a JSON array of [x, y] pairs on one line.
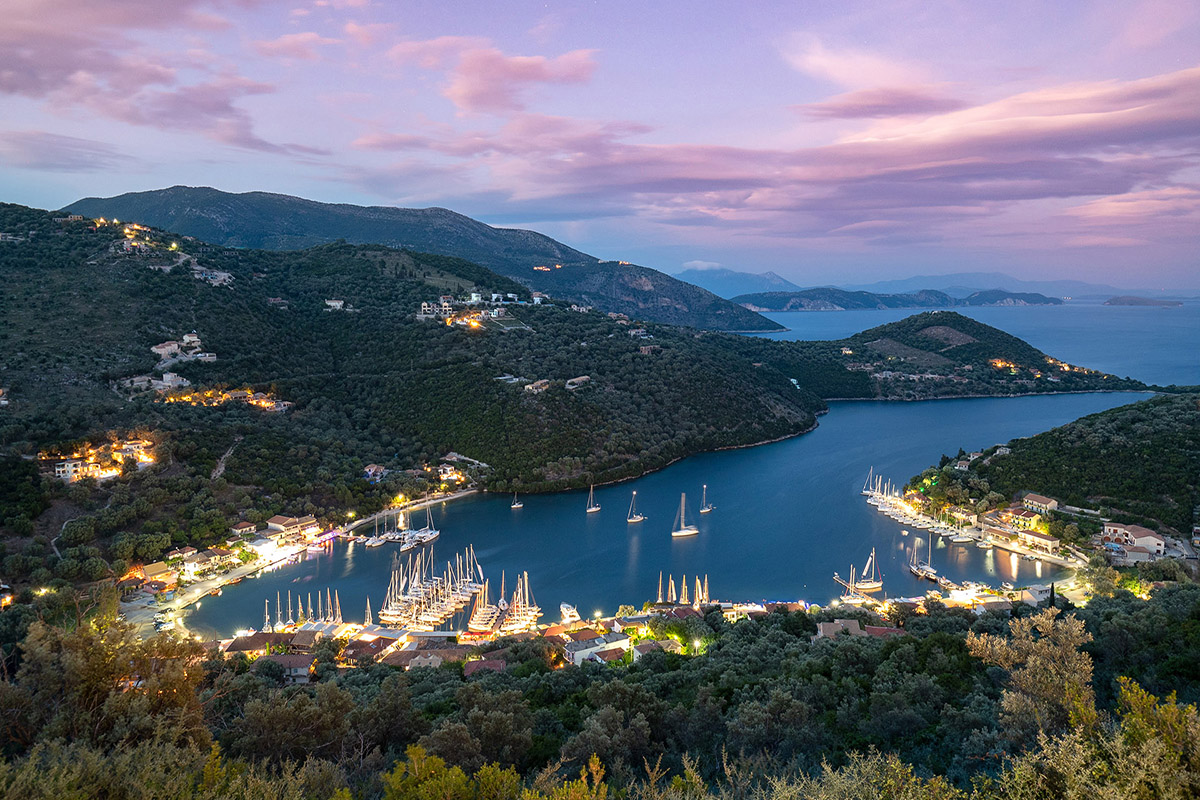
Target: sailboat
[[428, 533], [592, 505], [870, 579], [683, 529], [516, 503], [633, 515], [705, 506]]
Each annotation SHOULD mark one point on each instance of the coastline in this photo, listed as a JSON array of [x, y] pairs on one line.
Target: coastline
[[142, 616]]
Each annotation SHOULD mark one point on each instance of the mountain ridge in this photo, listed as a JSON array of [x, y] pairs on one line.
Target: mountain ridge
[[273, 221], [834, 299]]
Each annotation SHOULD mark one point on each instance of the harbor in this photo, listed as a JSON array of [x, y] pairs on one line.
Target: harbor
[[786, 517]]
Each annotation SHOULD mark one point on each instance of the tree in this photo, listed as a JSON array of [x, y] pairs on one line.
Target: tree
[[1049, 686], [1102, 578]]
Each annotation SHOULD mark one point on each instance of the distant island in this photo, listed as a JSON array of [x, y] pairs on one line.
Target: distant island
[[1133, 300], [833, 299]]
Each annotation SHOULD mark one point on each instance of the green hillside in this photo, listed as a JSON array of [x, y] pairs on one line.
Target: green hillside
[[372, 384], [1142, 459], [280, 222]]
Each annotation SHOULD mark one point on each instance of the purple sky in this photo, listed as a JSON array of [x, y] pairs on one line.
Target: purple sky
[[830, 142]]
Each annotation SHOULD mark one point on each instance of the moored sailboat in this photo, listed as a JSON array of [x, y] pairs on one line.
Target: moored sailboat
[[633, 515], [592, 506], [870, 579], [681, 527], [705, 506], [516, 503]]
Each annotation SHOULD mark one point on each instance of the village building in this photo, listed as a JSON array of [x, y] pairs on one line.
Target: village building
[[579, 650], [487, 665], [243, 528], [1036, 502], [537, 387], [165, 349], [368, 647], [158, 571], [259, 644], [1133, 536], [1024, 519], [1036, 540], [575, 383], [373, 472], [297, 667], [336, 305]]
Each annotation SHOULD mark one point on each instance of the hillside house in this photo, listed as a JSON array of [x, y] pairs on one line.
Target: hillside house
[[243, 528], [373, 472], [537, 387], [1133, 536], [336, 305], [297, 667], [165, 349], [1040, 504], [575, 383]]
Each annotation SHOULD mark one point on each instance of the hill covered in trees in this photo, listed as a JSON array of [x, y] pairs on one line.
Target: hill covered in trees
[[833, 299], [262, 220], [372, 384], [1142, 459]]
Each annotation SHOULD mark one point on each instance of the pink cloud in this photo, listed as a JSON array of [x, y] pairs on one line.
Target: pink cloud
[[87, 54], [296, 46], [483, 78], [367, 33], [435, 53], [895, 179], [49, 151], [852, 68], [882, 102]]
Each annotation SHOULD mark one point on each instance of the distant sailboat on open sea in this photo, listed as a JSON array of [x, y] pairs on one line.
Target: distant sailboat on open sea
[[592, 505], [681, 527], [633, 515]]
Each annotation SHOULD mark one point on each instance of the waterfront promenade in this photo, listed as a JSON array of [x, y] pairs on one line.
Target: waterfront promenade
[[141, 610]]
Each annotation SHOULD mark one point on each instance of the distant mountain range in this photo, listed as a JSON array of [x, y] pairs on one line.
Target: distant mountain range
[[282, 222], [731, 283], [961, 284], [833, 299]]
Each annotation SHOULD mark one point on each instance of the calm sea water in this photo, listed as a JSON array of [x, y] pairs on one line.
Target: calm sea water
[[1155, 345], [788, 515]]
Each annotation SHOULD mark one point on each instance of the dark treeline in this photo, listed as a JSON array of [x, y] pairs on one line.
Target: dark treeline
[[1044, 704]]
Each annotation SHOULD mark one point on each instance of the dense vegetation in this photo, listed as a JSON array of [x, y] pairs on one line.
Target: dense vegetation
[[375, 385], [1042, 705], [280, 222], [1142, 460], [831, 299]]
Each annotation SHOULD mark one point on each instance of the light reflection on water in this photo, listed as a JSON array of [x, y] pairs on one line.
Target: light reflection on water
[[788, 516]]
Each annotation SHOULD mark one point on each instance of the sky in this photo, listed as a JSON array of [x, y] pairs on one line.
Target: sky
[[828, 142]]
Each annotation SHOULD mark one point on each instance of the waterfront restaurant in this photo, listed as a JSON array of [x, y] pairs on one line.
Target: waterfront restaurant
[[1041, 542]]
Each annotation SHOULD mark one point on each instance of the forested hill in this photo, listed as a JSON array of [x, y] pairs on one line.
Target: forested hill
[[370, 383], [282, 222], [832, 299], [1142, 459]]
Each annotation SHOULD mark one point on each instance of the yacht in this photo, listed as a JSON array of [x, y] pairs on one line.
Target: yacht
[[592, 506], [681, 527], [516, 503], [633, 515], [569, 613], [705, 506]]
